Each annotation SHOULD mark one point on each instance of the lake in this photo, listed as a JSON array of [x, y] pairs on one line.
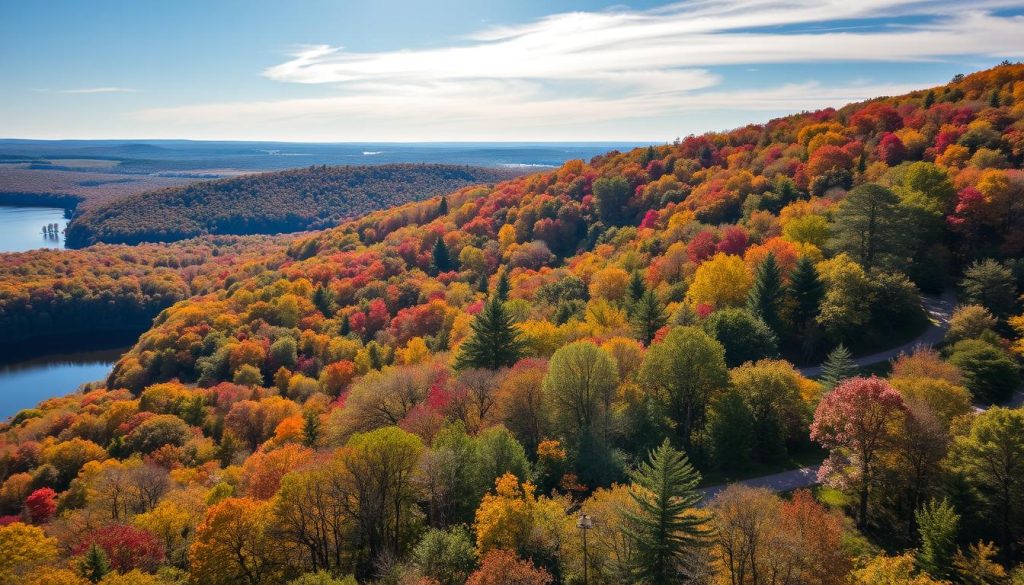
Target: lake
[[21, 228], [24, 384]]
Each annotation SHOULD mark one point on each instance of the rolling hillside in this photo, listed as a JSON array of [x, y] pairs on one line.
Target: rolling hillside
[[285, 201]]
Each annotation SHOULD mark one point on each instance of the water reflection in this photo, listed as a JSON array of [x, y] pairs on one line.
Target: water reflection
[[26, 383], [28, 228]]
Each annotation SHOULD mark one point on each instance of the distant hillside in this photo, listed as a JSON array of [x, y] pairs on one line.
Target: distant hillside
[[286, 201]]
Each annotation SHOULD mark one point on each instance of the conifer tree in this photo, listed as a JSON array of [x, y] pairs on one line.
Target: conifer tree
[[765, 297], [664, 531], [442, 208], [838, 366], [310, 429], [323, 301], [635, 291], [346, 327], [648, 317], [807, 291], [442, 261], [94, 565], [937, 523], [929, 99], [503, 286], [495, 342]]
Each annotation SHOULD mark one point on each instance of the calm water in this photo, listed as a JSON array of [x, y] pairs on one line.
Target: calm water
[[21, 228], [25, 384]]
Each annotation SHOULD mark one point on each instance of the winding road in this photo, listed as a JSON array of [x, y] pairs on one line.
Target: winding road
[[939, 310]]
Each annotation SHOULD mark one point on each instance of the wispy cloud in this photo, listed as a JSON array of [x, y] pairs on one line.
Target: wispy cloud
[[571, 70]]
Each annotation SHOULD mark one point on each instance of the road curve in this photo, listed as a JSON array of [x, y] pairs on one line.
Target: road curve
[[783, 481], [938, 308]]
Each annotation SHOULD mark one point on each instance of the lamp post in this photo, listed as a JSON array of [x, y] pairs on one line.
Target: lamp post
[[584, 523]]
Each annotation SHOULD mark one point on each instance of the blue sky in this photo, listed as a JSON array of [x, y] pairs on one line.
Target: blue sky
[[446, 70]]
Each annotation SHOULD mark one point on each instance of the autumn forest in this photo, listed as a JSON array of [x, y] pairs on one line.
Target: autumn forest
[[578, 375]]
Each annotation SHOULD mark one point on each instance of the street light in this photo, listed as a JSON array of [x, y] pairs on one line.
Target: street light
[[584, 523]]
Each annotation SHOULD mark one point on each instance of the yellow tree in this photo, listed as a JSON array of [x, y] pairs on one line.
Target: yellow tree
[[233, 545], [22, 549], [722, 281], [514, 518]]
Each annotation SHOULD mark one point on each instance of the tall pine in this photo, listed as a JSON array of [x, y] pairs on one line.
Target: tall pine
[[648, 317], [765, 297], [94, 565], [442, 261], [806, 291], [838, 366], [503, 286], [495, 341], [664, 531]]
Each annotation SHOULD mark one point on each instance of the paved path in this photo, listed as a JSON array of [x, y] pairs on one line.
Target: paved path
[[777, 482], [938, 308]]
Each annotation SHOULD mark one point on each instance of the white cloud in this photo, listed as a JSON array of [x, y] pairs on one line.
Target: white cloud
[[569, 75]]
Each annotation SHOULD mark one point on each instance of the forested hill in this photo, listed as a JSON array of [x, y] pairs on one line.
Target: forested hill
[[584, 340], [286, 201]]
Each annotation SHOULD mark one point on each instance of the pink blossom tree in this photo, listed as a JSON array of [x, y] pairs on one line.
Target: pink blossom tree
[[857, 422]]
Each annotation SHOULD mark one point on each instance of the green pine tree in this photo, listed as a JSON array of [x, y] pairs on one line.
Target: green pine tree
[[937, 523], [635, 291], [310, 429], [993, 100], [664, 531], [648, 317], [442, 208], [806, 291], [442, 261], [346, 327], [765, 297], [495, 341], [323, 300], [94, 565], [929, 99], [482, 286], [838, 366], [503, 286]]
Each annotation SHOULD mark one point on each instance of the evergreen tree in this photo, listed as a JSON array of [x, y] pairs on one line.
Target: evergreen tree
[[929, 99], [346, 327], [872, 226], [442, 261], [993, 100], [838, 366], [94, 565], [806, 291], [766, 294], [648, 317], [323, 301], [637, 288], [937, 523], [649, 155], [664, 531], [310, 429], [495, 342], [482, 286], [503, 286], [442, 208]]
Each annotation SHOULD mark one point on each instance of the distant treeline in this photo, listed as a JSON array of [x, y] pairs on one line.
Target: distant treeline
[[286, 201]]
